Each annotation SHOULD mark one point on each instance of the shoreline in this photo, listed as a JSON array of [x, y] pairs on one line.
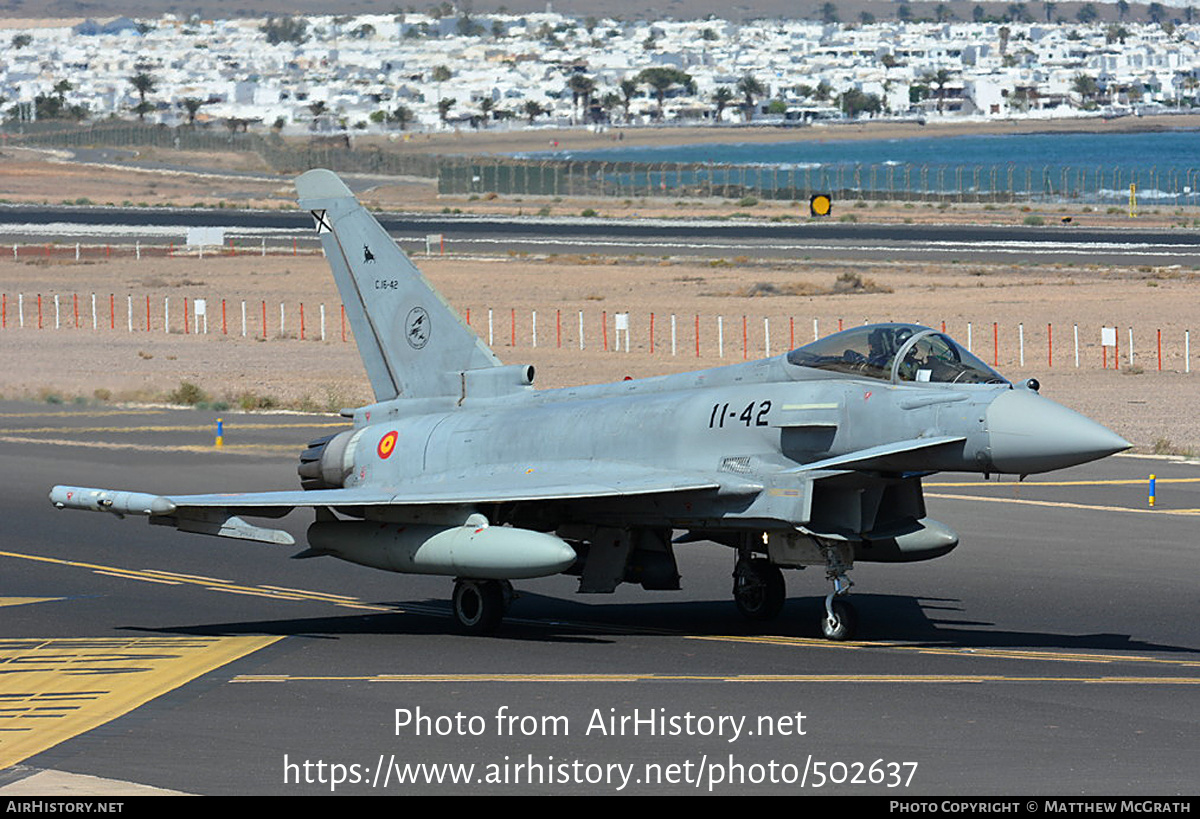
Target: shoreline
[[582, 138]]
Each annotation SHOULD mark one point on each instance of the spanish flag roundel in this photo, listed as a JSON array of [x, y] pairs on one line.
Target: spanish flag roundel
[[387, 443]]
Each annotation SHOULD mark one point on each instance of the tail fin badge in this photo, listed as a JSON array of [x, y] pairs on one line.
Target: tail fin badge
[[321, 222], [417, 328]]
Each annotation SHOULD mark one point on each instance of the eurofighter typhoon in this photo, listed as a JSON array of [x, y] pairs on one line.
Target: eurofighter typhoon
[[461, 468]]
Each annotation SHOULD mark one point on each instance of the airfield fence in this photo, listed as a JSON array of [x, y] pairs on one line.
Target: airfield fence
[[950, 183], [718, 337], [1107, 185]]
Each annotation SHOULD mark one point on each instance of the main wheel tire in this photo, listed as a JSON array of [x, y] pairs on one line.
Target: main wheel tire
[[478, 605], [758, 589], [844, 624]]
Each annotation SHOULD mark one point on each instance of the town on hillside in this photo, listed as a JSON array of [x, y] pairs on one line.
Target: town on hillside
[[444, 70]]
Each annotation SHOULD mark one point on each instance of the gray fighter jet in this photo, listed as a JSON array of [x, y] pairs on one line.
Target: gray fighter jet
[[461, 468]]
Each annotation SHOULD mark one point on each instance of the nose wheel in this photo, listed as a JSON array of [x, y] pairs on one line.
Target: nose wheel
[[479, 605], [840, 621]]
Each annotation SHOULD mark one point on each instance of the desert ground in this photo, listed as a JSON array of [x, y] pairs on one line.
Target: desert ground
[[1152, 408], [1044, 303]]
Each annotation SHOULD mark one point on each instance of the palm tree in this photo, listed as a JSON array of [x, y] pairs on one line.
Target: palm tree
[[486, 105], [401, 116], [144, 84], [749, 88], [938, 78], [582, 88], [628, 89], [192, 106], [610, 102], [444, 105], [533, 109], [721, 98], [662, 80]]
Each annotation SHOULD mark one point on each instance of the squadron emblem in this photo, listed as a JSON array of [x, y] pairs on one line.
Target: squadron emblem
[[416, 328]]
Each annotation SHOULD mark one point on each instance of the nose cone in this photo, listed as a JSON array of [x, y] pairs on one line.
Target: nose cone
[[1028, 433]]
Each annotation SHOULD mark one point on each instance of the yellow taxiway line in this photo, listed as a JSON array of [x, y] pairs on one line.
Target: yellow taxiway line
[[1114, 482], [992, 653], [164, 428], [1157, 510], [735, 678], [211, 584], [241, 449], [54, 689]]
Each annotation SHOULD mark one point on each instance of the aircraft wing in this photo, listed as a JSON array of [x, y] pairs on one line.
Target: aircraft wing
[[216, 514]]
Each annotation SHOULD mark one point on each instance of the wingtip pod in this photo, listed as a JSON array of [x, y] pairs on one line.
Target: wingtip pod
[[110, 500], [320, 183]]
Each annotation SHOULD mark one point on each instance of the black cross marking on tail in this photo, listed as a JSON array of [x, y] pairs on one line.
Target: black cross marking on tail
[[321, 222], [368, 256]]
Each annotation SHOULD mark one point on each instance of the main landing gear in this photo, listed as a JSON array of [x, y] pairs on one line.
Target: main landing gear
[[479, 605], [759, 591], [758, 588]]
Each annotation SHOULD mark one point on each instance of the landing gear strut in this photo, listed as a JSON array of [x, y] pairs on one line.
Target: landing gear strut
[[479, 605], [758, 588], [840, 621]]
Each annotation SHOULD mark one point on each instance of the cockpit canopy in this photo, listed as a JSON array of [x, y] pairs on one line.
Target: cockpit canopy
[[896, 352]]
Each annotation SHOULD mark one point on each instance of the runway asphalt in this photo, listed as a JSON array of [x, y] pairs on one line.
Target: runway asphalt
[[1056, 651], [1077, 243]]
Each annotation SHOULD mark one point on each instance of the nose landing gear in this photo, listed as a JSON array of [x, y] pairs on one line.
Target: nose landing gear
[[840, 621]]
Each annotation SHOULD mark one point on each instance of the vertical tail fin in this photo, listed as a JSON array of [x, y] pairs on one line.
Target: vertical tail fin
[[412, 343]]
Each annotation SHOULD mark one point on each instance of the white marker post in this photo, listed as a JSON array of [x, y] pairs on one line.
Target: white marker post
[[129, 310], [200, 309], [581, 329], [21, 308], [1187, 351], [720, 336], [243, 318], [56, 311], [816, 332], [968, 336], [1077, 346], [767, 337], [322, 318], [1108, 338], [491, 340], [166, 314], [672, 334], [93, 311], [621, 325], [1021, 341]]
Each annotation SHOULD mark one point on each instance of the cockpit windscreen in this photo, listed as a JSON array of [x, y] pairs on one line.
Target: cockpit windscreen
[[905, 352]]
